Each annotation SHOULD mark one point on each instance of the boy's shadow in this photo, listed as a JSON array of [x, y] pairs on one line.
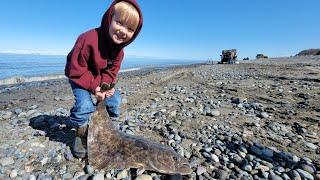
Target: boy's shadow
[[54, 127]]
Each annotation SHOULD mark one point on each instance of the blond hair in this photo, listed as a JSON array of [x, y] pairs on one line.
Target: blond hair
[[127, 13]]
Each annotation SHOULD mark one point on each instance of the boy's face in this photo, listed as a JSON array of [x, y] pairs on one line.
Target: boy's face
[[120, 31]]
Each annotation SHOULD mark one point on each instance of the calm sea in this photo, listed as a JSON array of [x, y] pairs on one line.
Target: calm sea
[[26, 65]]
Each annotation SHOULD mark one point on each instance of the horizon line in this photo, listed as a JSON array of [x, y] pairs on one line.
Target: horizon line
[[45, 53]]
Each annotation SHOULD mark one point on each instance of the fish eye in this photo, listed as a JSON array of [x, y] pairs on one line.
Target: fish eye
[[175, 158]]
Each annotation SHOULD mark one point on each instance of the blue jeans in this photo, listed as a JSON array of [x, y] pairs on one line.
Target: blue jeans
[[84, 106]]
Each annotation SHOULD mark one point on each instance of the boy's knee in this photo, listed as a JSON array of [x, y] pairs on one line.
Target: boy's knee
[[84, 106], [117, 96], [114, 100]]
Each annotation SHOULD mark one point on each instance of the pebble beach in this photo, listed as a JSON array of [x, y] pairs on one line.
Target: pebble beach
[[258, 119]]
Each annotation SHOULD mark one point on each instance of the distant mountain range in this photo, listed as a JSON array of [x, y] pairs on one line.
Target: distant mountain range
[[27, 52]]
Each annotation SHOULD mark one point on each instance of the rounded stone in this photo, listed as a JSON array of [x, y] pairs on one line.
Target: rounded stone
[[32, 177], [84, 177], [6, 161], [221, 174], [293, 174], [242, 154], [13, 173], [123, 174], [309, 168], [280, 169], [215, 158], [143, 177], [177, 137], [18, 110], [295, 158], [187, 154], [243, 149], [285, 176], [274, 176], [67, 176], [264, 115], [78, 174], [217, 152], [98, 176], [304, 174], [88, 169], [208, 149], [247, 168], [310, 145], [201, 170]]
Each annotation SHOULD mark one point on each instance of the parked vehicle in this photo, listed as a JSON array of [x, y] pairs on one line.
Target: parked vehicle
[[229, 56], [261, 56]]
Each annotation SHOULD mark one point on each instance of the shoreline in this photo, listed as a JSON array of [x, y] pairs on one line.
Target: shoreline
[[16, 80]]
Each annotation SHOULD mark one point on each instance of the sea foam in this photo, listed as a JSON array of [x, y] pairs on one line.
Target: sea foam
[[19, 79]]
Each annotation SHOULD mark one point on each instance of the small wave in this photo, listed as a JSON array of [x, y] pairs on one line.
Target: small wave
[[130, 69], [17, 80]]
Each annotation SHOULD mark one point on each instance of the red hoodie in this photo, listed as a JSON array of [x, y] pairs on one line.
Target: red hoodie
[[95, 58]]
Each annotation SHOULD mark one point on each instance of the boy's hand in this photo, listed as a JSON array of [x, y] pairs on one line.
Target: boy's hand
[[109, 93], [102, 95], [99, 95]]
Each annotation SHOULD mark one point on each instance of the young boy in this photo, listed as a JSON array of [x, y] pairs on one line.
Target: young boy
[[93, 65]]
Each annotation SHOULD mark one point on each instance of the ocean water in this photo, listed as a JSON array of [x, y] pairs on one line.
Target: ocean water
[[13, 66]]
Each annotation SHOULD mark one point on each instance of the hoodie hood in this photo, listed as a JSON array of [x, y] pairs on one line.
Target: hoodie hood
[[106, 21]]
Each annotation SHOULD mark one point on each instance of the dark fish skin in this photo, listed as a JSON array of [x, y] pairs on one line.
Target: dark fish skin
[[109, 148]]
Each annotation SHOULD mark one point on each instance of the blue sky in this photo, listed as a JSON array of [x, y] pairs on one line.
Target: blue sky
[[172, 28]]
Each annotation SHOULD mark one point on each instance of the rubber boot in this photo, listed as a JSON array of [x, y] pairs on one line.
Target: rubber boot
[[79, 146]]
